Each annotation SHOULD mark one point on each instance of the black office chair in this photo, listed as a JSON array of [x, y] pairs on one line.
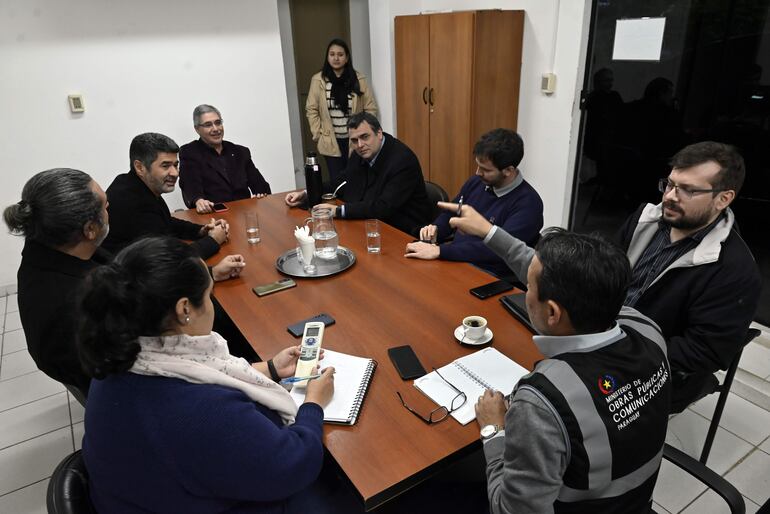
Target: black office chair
[[724, 390], [436, 193], [68, 488], [712, 480], [77, 393]]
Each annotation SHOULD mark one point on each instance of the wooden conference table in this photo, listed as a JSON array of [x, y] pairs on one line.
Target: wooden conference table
[[383, 300]]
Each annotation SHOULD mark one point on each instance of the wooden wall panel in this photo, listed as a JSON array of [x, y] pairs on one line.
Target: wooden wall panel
[[412, 78]]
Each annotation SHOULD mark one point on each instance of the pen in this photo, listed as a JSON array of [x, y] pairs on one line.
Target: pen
[[292, 380], [460, 207]]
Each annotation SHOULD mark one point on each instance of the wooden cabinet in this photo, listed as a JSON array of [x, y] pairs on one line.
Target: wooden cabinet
[[457, 76]]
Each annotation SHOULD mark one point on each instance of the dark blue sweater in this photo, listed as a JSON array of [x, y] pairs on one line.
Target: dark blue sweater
[[520, 213], [156, 444]]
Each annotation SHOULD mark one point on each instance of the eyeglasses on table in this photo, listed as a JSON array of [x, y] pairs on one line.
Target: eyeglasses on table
[[440, 413]]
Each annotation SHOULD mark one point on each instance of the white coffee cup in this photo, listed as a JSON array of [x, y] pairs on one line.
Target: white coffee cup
[[474, 327]]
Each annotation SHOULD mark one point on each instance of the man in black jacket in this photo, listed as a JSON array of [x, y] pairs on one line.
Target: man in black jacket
[[383, 179], [692, 272], [63, 217], [213, 170], [137, 208]]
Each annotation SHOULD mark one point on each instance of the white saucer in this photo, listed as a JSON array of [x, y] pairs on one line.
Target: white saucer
[[487, 337]]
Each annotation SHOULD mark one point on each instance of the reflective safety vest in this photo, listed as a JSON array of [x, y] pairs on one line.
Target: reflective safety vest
[[613, 403]]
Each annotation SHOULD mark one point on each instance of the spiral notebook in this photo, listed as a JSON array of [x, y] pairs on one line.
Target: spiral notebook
[[472, 374], [352, 376]]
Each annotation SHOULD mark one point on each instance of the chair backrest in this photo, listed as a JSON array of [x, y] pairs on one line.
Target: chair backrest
[[68, 488], [712, 480], [435, 193], [78, 393], [724, 390]]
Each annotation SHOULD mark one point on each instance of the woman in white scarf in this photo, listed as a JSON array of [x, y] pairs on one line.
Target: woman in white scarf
[[172, 412]]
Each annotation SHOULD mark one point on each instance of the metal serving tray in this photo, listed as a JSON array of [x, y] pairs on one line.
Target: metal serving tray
[[288, 264]]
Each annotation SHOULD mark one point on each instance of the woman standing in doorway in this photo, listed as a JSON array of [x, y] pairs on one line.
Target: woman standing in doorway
[[336, 92]]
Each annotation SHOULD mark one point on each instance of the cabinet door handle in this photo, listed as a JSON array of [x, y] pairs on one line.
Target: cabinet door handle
[[430, 97], [424, 92]]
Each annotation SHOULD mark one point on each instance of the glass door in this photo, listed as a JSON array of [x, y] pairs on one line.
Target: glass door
[[711, 82]]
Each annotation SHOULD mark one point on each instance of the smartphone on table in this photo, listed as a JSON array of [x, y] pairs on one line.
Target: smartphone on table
[[298, 328], [274, 287], [491, 289], [220, 207], [406, 362]]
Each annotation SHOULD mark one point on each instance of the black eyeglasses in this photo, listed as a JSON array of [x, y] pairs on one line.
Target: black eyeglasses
[[439, 413], [209, 124], [665, 185]]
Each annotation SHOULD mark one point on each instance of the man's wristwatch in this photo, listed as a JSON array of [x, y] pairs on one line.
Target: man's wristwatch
[[488, 431]]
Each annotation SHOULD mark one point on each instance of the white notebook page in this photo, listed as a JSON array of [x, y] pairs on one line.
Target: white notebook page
[[492, 367], [349, 373]]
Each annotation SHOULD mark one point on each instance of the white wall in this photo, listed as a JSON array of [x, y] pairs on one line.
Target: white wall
[[548, 124], [292, 94], [359, 36], [142, 66]]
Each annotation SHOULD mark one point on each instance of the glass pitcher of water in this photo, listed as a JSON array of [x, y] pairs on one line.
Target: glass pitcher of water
[[323, 231]]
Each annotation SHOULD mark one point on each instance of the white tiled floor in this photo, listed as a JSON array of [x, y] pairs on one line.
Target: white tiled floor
[[36, 421], [40, 423]]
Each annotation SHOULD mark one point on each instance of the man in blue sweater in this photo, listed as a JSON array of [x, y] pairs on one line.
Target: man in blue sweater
[[499, 192]]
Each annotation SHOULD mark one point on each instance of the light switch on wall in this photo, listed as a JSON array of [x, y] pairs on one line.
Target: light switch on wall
[[548, 83], [76, 103]]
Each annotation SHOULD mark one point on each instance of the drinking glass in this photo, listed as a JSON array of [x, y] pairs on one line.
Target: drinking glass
[[373, 237], [252, 227]]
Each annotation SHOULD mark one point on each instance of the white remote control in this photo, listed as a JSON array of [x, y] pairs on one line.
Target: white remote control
[[310, 350]]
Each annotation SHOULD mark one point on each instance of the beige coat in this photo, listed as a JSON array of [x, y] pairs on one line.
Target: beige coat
[[318, 113]]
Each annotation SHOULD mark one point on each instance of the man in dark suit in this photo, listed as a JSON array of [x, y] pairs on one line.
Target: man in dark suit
[[137, 208], [213, 170], [383, 179]]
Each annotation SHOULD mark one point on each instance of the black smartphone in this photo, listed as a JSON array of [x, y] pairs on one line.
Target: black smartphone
[[279, 285], [298, 328], [219, 207], [406, 362], [491, 289]]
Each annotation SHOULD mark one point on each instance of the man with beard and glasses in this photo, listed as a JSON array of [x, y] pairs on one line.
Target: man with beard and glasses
[[692, 272], [499, 192]]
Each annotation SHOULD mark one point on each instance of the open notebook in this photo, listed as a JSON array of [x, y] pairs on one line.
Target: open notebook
[[472, 374], [351, 380]]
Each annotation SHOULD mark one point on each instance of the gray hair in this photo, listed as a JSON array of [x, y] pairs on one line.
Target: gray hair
[[201, 110], [55, 206]]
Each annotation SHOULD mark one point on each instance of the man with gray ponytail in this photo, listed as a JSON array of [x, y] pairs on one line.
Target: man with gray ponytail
[[63, 218]]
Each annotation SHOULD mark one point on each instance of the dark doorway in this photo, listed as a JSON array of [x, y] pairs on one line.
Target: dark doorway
[[313, 24], [712, 82]]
